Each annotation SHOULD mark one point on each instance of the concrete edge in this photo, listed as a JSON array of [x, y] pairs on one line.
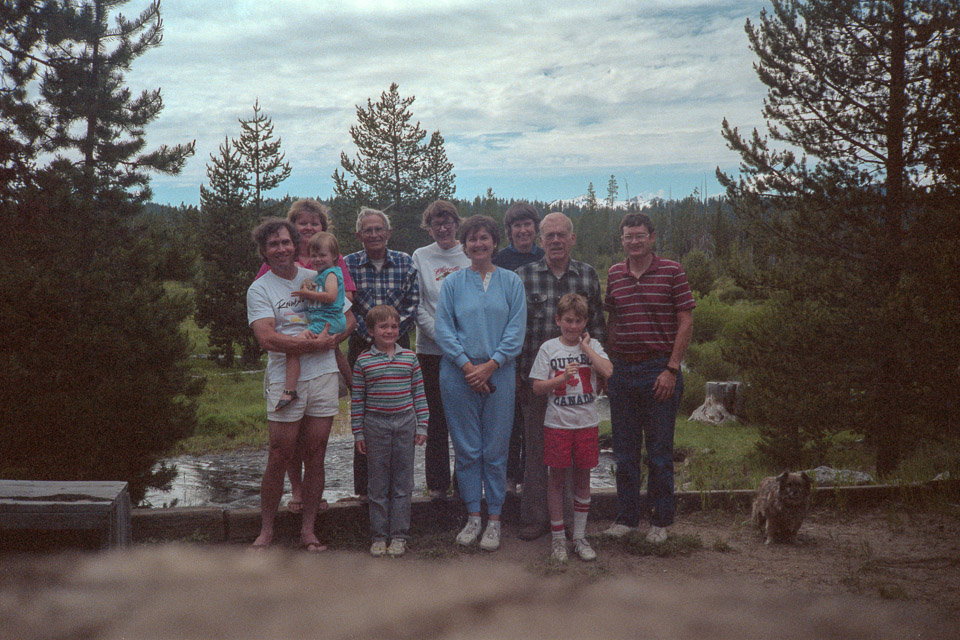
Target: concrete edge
[[210, 524]]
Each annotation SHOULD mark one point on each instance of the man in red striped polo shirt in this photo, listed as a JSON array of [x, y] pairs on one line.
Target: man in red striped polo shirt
[[648, 329]]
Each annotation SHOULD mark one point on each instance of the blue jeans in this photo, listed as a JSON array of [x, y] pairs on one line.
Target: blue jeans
[[636, 417]]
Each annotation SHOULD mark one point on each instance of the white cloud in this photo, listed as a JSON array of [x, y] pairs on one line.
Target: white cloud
[[510, 85]]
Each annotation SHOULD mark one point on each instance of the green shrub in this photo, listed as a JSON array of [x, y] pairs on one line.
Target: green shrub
[[694, 392], [701, 271], [707, 359]]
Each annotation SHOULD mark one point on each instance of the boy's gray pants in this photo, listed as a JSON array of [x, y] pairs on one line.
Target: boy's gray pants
[[390, 451]]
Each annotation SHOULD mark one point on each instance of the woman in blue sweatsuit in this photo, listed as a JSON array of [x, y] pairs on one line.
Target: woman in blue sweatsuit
[[480, 324]]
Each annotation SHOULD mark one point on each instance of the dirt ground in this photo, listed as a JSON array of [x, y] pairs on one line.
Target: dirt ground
[[891, 553]]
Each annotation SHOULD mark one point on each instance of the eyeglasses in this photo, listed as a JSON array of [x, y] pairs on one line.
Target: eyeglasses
[[373, 231], [437, 226], [640, 237]]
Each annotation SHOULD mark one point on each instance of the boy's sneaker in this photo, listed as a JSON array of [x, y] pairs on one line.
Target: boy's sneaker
[[657, 535], [491, 537], [469, 533], [559, 552], [378, 548], [583, 549], [398, 546], [618, 531]]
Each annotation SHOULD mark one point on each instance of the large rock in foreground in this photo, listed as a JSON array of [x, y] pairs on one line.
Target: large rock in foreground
[[169, 591]]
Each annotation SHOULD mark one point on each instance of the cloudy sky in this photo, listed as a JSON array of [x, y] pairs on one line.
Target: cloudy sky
[[534, 99]]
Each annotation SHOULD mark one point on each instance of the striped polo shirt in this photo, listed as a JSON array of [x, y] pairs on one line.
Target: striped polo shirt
[[646, 307], [390, 385]]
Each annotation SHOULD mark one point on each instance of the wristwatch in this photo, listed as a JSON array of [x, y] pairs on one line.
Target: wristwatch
[[673, 370]]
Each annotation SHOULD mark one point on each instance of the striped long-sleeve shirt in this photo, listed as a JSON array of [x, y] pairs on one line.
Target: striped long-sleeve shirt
[[645, 308], [385, 384]]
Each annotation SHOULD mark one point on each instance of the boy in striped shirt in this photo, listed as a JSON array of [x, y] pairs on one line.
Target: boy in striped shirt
[[388, 416]]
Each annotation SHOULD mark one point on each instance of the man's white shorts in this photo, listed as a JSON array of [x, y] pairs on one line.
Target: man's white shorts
[[318, 398]]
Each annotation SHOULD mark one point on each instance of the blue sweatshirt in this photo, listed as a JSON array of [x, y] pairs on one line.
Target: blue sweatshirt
[[474, 325]]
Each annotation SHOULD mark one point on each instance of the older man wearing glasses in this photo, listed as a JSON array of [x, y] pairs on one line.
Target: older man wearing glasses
[[382, 276]]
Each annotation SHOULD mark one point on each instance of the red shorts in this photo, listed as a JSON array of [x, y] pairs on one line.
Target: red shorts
[[561, 447]]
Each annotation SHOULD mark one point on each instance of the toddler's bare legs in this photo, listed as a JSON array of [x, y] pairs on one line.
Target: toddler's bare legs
[[292, 375]]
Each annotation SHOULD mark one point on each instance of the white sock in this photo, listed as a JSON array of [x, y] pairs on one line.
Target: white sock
[[557, 531], [493, 524], [473, 520], [580, 510]]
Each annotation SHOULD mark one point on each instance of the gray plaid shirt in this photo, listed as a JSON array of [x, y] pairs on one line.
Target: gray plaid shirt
[[544, 290]]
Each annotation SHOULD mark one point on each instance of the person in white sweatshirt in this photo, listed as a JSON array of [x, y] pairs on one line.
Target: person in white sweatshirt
[[434, 263]]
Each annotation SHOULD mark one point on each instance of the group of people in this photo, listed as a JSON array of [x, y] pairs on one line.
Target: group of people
[[511, 347]]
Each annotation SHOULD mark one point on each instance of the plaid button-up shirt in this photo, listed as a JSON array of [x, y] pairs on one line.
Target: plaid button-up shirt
[[395, 284], [544, 291]]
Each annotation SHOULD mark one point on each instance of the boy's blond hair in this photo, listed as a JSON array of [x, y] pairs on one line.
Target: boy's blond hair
[[573, 303], [380, 313], [323, 240]]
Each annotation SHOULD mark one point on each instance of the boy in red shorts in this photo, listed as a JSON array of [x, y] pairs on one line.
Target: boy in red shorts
[[566, 368]]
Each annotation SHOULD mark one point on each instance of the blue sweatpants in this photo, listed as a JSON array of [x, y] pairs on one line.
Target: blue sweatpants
[[479, 426]]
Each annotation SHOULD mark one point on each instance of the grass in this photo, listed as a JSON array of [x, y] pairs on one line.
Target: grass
[[712, 457]]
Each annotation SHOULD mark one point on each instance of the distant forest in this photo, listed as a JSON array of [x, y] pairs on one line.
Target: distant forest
[[708, 227]]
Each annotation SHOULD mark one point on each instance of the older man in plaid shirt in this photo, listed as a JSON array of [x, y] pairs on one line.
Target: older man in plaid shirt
[[546, 281], [382, 276]]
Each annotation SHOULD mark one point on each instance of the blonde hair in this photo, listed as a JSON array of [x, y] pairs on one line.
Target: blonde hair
[[311, 207], [323, 240]]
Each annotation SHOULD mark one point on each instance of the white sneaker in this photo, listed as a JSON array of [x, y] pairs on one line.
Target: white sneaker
[[469, 533], [398, 546], [618, 531], [491, 537], [559, 552], [378, 548], [657, 535], [583, 549]]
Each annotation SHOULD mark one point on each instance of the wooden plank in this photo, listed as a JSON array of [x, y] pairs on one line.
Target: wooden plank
[[100, 505]]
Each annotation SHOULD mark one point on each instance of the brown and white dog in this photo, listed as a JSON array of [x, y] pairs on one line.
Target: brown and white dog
[[781, 505]]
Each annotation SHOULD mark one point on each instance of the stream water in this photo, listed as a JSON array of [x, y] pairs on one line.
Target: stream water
[[231, 480]]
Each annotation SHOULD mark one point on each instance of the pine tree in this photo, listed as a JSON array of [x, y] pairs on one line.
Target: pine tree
[[230, 260], [860, 88], [260, 156], [612, 191], [438, 174], [592, 205], [94, 376], [392, 167]]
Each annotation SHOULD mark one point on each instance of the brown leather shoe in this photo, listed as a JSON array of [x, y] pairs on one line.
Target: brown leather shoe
[[533, 531]]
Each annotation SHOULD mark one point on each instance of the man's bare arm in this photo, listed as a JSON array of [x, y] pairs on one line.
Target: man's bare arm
[[271, 340], [684, 333]]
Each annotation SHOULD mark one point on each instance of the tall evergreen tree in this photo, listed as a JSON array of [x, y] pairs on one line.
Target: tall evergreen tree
[[860, 88], [438, 171], [95, 383], [612, 191], [392, 167], [592, 205], [230, 260], [260, 156]]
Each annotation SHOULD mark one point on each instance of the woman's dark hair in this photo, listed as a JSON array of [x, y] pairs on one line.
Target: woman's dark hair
[[520, 211], [475, 223]]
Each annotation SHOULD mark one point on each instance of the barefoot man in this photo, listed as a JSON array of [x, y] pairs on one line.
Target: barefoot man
[[279, 323]]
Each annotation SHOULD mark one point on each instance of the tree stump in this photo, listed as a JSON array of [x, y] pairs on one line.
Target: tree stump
[[723, 403]]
